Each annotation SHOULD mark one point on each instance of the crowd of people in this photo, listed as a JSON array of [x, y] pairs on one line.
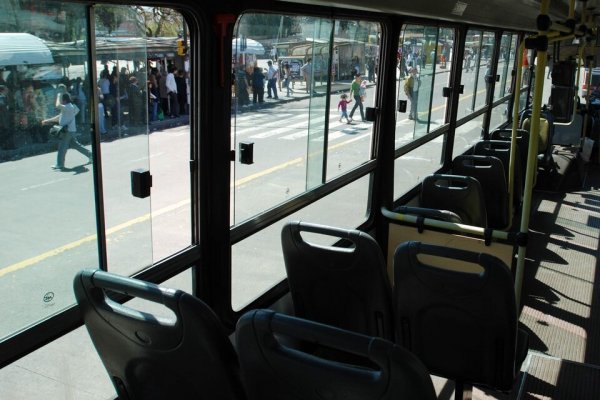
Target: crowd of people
[[125, 101], [249, 80], [32, 110]]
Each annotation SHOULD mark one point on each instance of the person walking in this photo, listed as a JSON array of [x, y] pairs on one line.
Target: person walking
[[411, 90], [355, 92], [287, 78], [272, 76], [343, 107], [66, 119]]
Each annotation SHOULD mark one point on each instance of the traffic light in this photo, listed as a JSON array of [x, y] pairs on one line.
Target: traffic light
[[181, 49]]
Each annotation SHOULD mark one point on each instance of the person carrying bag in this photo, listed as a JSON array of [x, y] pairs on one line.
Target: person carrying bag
[[64, 129]]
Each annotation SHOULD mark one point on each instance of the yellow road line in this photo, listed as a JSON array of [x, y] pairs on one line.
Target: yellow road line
[[69, 246]]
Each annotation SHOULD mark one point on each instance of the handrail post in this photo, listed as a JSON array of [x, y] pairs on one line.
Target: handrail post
[[541, 45]]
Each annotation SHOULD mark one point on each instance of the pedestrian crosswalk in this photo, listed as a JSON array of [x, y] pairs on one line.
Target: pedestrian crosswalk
[[290, 126]]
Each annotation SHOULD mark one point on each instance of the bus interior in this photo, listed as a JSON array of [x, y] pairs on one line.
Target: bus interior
[[300, 199]]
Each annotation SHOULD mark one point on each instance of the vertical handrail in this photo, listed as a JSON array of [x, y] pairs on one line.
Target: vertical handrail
[[515, 126], [533, 149]]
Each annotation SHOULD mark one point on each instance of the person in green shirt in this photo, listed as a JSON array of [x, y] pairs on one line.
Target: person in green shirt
[[355, 92]]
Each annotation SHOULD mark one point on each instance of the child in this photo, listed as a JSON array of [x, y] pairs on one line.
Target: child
[[343, 105]]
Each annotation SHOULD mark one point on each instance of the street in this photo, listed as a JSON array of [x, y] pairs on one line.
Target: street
[[49, 216]]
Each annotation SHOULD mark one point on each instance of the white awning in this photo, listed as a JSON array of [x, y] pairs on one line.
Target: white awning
[[251, 47], [23, 49]]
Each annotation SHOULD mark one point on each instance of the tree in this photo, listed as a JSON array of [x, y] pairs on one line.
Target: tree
[[110, 17], [160, 21]]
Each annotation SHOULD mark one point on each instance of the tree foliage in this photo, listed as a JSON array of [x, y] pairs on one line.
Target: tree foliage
[[160, 21], [110, 17]]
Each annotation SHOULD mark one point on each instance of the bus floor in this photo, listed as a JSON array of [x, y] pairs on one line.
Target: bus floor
[[561, 301]]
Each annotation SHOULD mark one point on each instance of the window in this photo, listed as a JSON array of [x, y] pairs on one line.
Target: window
[[301, 86], [424, 69], [50, 211], [290, 75], [479, 50], [49, 214]]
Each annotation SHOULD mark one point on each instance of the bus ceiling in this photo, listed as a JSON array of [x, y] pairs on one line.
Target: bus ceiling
[[520, 16]]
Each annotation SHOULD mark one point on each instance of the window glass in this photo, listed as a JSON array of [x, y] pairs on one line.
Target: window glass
[[423, 70], [49, 218], [506, 64], [479, 50], [500, 115], [143, 89], [466, 135], [46, 80], [349, 145], [411, 168], [257, 262], [290, 74]]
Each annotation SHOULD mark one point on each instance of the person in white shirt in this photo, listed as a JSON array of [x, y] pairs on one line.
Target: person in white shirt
[[66, 118], [272, 76], [172, 92]]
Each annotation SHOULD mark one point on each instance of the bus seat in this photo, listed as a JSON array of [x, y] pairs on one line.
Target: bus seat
[[545, 136], [274, 370], [441, 215], [155, 357], [522, 143], [461, 195], [489, 171], [346, 287], [501, 150], [462, 325]]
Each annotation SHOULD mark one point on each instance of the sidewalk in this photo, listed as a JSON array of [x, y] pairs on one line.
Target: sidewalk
[[299, 94]]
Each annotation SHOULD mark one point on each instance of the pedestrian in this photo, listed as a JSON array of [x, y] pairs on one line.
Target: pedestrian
[[101, 119], [66, 119], [355, 92], [287, 77], [241, 86], [153, 96], [272, 76], [181, 91], [104, 86], [137, 103], [488, 77], [411, 90], [371, 69], [307, 72], [343, 107], [258, 85], [171, 85], [164, 94]]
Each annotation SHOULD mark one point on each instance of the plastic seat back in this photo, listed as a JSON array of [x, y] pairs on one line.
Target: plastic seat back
[[501, 150], [489, 171], [461, 195], [463, 326], [153, 357], [522, 143], [274, 370], [346, 287]]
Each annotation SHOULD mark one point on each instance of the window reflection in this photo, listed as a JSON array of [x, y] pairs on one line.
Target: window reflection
[[49, 214]]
